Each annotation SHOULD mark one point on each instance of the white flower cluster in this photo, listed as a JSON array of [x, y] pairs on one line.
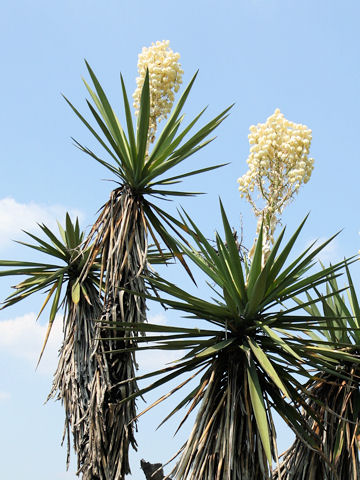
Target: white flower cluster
[[165, 77], [279, 154], [278, 165]]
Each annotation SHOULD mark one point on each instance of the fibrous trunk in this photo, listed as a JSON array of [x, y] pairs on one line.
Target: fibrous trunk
[[120, 235], [224, 443], [73, 379], [336, 406]]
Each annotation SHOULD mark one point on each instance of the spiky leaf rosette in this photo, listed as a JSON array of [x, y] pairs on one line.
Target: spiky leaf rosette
[[120, 236], [248, 360], [334, 401], [73, 380], [141, 174]]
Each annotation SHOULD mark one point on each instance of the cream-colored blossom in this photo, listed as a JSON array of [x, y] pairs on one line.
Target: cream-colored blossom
[[279, 164], [165, 77]]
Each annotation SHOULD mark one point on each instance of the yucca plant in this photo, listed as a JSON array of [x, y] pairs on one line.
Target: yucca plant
[[75, 378], [249, 360], [334, 399], [120, 237]]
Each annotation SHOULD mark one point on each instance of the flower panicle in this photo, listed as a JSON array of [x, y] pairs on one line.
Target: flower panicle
[[279, 164], [279, 155], [165, 78]]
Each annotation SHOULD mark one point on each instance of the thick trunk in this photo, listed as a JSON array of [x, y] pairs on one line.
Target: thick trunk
[[337, 401], [76, 369], [224, 443], [122, 240]]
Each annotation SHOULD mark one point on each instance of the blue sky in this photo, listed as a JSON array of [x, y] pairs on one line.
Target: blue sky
[[302, 57]]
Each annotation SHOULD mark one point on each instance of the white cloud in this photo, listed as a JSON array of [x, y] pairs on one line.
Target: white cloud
[[329, 254], [155, 359], [23, 337], [149, 360], [5, 396], [158, 319], [15, 216]]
